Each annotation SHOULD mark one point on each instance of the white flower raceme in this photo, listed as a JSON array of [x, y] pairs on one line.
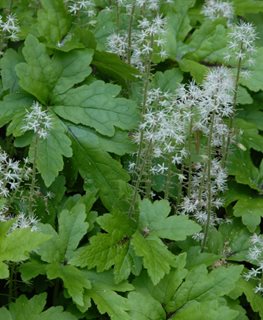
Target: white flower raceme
[[9, 26], [82, 6], [214, 9], [38, 120], [241, 43]]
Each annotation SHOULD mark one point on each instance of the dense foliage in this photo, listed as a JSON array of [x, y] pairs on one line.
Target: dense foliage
[[131, 170]]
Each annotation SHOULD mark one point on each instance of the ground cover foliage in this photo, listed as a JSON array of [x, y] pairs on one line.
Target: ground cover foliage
[[131, 170]]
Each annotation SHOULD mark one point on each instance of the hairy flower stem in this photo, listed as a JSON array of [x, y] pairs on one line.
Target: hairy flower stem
[[168, 178], [139, 180], [11, 281], [34, 172], [226, 151], [209, 191], [130, 32], [189, 187]]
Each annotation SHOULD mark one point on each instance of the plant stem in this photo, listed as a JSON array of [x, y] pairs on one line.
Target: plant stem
[[189, 187], [168, 177], [130, 32], [226, 151], [34, 172], [209, 191]]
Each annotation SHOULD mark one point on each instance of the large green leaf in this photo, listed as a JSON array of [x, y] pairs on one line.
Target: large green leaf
[[96, 106], [119, 144], [74, 68], [25, 309], [200, 285], [99, 169]]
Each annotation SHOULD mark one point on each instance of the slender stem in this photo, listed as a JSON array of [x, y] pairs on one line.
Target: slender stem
[[189, 188], [34, 172], [11, 282], [209, 191], [130, 32], [226, 151], [139, 179], [168, 177]]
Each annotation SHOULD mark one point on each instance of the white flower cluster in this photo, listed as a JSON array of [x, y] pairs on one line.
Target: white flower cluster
[[38, 121], [196, 203], [241, 43], [214, 9], [82, 6], [11, 174], [23, 221], [10, 27], [255, 255], [145, 38]]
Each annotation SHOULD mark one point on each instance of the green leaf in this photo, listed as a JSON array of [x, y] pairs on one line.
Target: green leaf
[[111, 65], [197, 70], [72, 228], [50, 151], [39, 74], [24, 309], [144, 307], [243, 7], [254, 83], [100, 170], [165, 290], [4, 271], [247, 287], [104, 295], [74, 68], [108, 249], [243, 97], [53, 20], [157, 259], [154, 217], [119, 144], [167, 80], [8, 62], [74, 280], [13, 104], [96, 106], [210, 37], [200, 285], [205, 310]]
